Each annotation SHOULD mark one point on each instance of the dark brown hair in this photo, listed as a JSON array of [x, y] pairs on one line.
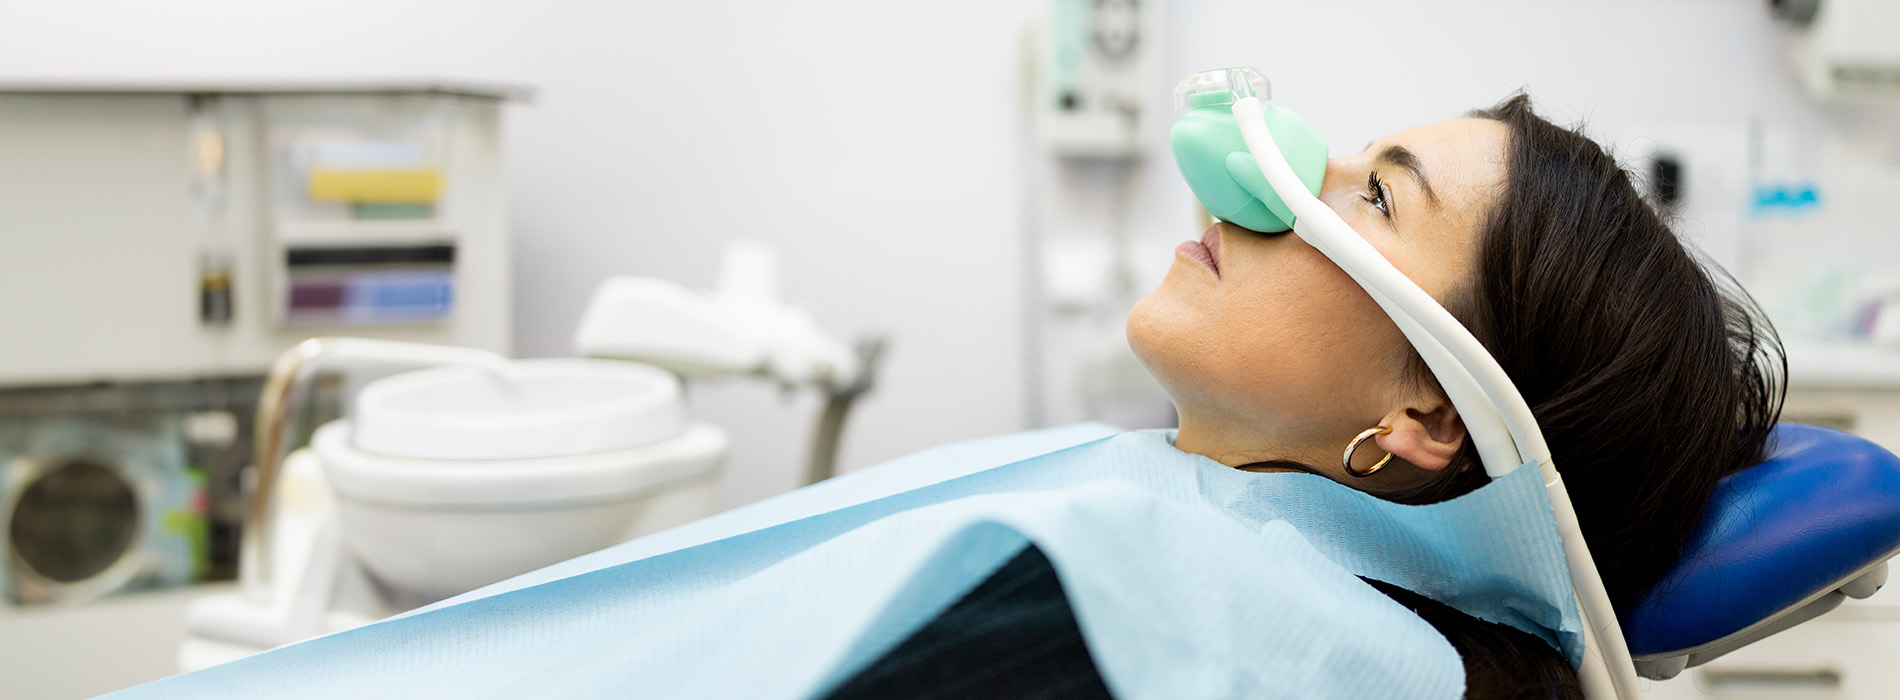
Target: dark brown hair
[[1501, 663], [1652, 374]]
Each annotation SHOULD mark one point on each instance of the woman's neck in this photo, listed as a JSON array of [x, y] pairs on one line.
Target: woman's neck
[[1223, 442]]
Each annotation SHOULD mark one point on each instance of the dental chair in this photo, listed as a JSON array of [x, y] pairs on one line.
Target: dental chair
[[1780, 543]]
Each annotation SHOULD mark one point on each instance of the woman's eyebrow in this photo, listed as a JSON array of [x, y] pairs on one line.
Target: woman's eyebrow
[[1403, 158]]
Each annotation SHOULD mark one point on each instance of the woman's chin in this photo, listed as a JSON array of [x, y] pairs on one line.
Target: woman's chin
[[1150, 332], [1140, 329]]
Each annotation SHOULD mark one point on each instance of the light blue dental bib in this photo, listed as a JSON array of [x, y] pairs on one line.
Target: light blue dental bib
[[1188, 579]]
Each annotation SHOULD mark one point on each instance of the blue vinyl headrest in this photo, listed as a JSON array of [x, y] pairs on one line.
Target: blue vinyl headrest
[[1825, 505]]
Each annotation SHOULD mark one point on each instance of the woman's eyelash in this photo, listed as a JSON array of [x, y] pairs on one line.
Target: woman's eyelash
[[1375, 194]]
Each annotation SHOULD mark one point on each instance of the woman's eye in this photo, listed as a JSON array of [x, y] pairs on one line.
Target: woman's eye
[[1375, 194]]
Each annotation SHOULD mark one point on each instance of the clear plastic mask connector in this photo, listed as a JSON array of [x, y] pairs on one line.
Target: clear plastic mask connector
[[1221, 87]]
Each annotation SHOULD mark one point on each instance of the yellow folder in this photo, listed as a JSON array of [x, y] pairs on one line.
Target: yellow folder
[[410, 186]]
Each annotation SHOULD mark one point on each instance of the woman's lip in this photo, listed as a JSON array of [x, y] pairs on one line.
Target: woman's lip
[[1211, 239], [1205, 251]]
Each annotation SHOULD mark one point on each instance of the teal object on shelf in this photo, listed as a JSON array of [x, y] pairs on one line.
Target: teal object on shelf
[[1214, 159]]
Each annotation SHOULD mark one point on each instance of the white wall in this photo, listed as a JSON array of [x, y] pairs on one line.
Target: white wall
[[875, 143], [881, 145]]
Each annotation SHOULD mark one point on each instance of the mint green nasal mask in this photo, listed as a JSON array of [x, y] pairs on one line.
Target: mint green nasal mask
[[1215, 160]]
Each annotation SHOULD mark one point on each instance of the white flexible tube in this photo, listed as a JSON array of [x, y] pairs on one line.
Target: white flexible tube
[[1475, 383], [1593, 598], [1483, 422]]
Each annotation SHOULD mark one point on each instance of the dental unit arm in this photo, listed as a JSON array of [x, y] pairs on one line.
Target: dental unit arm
[[1260, 167], [740, 329]]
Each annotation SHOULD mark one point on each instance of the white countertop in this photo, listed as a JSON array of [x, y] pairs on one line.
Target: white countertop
[[1821, 364]]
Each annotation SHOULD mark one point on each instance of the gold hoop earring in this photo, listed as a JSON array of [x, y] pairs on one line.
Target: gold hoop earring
[[1354, 446]]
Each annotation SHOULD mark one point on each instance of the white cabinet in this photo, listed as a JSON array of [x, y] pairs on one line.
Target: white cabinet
[[1851, 653], [86, 650], [124, 207]]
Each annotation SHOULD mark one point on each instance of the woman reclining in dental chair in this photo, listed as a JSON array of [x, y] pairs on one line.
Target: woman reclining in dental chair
[[1082, 564], [1650, 382]]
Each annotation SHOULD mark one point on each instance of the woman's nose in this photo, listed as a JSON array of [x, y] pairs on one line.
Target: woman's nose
[[1338, 176]]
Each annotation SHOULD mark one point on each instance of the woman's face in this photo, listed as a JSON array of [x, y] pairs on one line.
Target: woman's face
[[1273, 353]]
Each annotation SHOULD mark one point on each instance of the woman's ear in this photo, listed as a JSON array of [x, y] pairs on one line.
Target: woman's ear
[[1426, 437]]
